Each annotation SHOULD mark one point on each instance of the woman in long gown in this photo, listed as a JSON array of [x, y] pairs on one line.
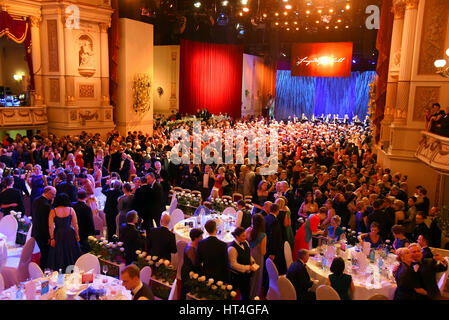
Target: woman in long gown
[[287, 228], [37, 182], [64, 236], [188, 265], [306, 231], [257, 239], [87, 186], [124, 203]]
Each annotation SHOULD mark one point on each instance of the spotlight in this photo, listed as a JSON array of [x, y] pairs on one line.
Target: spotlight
[[225, 3], [286, 23], [336, 27], [347, 27], [308, 12], [317, 21], [288, 6], [241, 14], [319, 11], [297, 29], [327, 27], [296, 22], [331, 10], [354, 61], [245, 9], [197, 4], [276, 14], [288, 29], [285, 13], [264, 15], [277, 23], [283, 54], [244, 2], [339, 20], [348, 6]]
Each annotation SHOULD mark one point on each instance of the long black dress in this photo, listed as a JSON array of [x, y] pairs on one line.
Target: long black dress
[[66, 250]]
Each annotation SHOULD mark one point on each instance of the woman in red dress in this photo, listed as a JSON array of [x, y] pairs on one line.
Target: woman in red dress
[[79, 157], [219, 180], [306, 231]]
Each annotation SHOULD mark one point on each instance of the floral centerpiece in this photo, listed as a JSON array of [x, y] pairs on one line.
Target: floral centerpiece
[[161, 269], [23, 226], [209, 290], [351, 236], [142, 92], [219, 204], [111, 254], [188, 202]]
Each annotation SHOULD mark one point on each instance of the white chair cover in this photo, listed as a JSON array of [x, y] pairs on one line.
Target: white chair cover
[[325, 292], [35, 271], [87, 262], [273, 276], [180, 246], [1, 215], [8, 226], [443, 279], [154, 223], [230, 211], [286, 289], [16, 270], [378, 297], [173, 204], [99, 225], [2, 283], [117, 230], [175, 217], [36, 247], [288, 254], [174, 291], [145, 275]]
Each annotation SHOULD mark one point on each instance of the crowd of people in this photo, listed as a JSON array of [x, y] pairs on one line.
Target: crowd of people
[[327, 179], [437, 120]]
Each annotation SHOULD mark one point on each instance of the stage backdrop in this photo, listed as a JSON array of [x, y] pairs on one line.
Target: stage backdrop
[[319, 95], [211, 77], [328, 59]]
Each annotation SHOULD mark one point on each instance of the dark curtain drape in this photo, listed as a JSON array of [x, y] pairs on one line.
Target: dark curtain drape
[[114, 45], [383, 45], [320, 95], [211, 77], [19, 31]]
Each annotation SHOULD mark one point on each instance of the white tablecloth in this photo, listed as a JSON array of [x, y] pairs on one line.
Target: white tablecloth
[[114, 289], [3, 250], [362, 290], [227, 226]]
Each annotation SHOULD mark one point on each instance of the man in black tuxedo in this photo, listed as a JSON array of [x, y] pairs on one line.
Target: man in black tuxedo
[[212, 255], [161, 242], [48, 162], [85, 220], [423, 241], [131, 281], [10, 198], [424, 203], [298, 275], [427, 268], [434, 229], [68, 187], [132, 239], [157, 198], [125, 166], [420, 227], [112, 193], [19, 183], [40, 230], [291, 203], [275, 241]]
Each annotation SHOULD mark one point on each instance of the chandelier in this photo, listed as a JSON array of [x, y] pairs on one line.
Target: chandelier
[[440, 64]]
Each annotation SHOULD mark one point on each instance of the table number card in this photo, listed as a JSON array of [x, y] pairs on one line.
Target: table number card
[[45, 287]]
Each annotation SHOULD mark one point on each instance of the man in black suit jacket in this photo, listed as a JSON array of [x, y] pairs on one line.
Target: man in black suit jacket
[[420, 227], [48, 162], [423, 241], [382, 218], [298, 275], [275, 241], [212, 255], [19, 183], [10, 198], [427, 270], [110, 206], [85, 220], [157, 198], [68, 187], [161, 242], [434, 229], [40, 232], [132, 239], [125, 166], [131, 281], [291, 203]]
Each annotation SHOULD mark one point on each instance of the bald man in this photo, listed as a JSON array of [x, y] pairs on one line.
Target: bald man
[[161, 242]]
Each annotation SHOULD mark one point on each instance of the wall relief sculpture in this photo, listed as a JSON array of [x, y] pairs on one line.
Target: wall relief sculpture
[[86, 56]]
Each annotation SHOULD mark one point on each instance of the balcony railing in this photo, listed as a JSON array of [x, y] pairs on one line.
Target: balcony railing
[[23, 116], [434, 151]]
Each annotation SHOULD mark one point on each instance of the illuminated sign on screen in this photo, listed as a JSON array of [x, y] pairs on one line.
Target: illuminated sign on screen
[[322, 59]]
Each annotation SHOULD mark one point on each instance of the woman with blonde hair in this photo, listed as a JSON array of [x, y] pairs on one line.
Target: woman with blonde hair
[[407, 280], [285, 217], [399, 216]]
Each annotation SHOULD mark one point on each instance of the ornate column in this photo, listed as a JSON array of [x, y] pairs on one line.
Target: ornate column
[[173, 99], [37, 62], [406, 60], [104, 62], [69, 74]]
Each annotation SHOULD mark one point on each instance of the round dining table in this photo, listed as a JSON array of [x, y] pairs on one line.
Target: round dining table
[[225, 225], [113, 288]]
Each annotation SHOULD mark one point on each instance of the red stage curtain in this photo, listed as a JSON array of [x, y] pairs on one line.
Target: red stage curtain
[[19, 31], [383, 45], [114, 45], [211, 77]]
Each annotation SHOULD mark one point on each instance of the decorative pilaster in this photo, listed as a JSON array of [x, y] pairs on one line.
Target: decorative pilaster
[[173, 80], [37, 62], [104, 62], [69, 76]]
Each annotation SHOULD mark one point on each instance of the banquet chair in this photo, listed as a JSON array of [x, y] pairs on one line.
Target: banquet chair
[[173, 204], [378, 297], [117, 230], [443, 280], [230, 211], [325, 292], [286, 289], [196, 193], [288, 254], [248, 198], [180, 246], [145, 275], [237, 196], [88, 262], [2, 283], [248, 201], [8, 226], [34, 271], [175, 217], [273, 276], [99, 226], [187, 190], [177, 189], [174, 291], [16, 269], [207, 204], [204, 209], [229, 198]]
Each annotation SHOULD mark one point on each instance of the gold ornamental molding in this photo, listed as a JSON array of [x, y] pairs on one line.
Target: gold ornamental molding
[[411, 4], [398, 9], [88, 115]]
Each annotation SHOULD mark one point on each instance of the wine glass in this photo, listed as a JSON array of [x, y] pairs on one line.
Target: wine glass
[[47, 272], [105, 269]]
